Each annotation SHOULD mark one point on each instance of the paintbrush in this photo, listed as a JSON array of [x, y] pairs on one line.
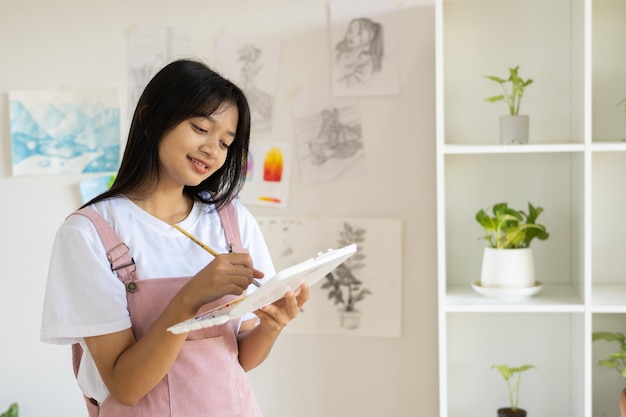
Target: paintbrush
[[205, 247]]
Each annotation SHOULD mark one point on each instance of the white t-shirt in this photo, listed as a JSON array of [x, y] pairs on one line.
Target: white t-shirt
[[85, 298]]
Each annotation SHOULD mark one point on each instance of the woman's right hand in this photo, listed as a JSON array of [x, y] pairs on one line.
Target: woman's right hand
[[229, 273]]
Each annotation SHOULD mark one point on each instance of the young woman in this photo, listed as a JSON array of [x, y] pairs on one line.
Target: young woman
[[184, 163]]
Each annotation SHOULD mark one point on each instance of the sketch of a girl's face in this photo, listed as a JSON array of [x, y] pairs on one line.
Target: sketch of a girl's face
[[358, 34]]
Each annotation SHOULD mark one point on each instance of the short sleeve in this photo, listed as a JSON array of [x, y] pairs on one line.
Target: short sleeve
[[83, 296]]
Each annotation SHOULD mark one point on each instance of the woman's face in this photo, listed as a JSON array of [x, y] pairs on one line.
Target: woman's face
[[357, 35], [193, 150]]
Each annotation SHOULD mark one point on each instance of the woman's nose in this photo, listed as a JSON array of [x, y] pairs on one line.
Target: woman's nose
[[210, 146]]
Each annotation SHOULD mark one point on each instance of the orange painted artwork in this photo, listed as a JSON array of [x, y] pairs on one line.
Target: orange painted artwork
[[273, 165], [268, 173]]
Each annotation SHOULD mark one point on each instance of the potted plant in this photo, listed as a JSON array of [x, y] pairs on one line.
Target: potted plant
[[508, 259], [344, 287], [13, 411], [513, 127], [512, 377], [615, 360]]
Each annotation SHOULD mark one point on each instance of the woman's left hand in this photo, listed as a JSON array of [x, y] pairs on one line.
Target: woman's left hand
[[274, 317], [255, 342]]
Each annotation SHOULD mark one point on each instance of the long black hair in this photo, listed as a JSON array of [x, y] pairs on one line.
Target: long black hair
[[179, 91]]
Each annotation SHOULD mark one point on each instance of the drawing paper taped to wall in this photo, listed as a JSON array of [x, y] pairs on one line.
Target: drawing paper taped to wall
[[363, 295], [329, 136], [252, 63], [150, 48], [65, 131], [363, 43]]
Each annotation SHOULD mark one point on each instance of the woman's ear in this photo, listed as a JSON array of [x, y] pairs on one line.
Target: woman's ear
[[141, 112]]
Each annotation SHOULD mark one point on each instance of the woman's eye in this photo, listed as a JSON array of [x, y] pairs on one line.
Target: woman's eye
[[199, 129], [224, 145]]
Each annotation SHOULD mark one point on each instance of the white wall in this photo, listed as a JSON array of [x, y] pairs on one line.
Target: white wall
[[45, 45]]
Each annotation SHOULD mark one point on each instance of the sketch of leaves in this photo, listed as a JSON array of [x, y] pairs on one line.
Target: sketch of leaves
[[358, 256], [336, 292], [350, 235], [354, 265], [361, 295]]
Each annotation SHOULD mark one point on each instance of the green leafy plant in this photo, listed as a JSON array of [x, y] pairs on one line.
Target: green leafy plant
[[512, 377], [617, 359], [13, 411], [513, 88], [508, 228]]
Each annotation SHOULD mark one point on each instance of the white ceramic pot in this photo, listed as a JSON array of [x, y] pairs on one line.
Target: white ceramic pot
[[514, 129], [508, 268]]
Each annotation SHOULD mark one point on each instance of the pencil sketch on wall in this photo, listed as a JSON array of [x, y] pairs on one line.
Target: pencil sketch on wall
[[335, 138], [363, 48], [345, 289], [149, 50], [363, 295], [252, 63], [65, 131], [329, 137], [359, 55]]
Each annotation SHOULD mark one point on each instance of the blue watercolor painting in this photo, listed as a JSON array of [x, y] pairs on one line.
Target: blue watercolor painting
[[65, 131]]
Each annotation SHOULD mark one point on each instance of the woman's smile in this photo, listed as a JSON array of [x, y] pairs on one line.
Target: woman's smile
[[200, 165]]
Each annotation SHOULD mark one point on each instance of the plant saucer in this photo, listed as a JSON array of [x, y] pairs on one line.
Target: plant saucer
[[508, 293]]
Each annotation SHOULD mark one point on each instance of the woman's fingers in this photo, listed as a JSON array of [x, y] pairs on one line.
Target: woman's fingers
[[287, 308], [303, 294], [230, 273]]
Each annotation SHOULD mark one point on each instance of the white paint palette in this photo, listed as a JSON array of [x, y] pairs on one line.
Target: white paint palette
[[309, 271]]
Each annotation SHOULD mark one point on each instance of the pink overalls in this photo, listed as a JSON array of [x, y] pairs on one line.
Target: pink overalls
[[206, 379]]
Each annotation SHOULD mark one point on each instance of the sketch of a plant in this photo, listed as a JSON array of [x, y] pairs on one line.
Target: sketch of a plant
[[261, 102], [344, 287], [335, 139]]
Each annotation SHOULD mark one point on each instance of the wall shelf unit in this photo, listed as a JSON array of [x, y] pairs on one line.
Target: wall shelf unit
[[573, 167]]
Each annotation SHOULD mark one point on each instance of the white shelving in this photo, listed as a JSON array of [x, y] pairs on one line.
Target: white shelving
[[573, 167]]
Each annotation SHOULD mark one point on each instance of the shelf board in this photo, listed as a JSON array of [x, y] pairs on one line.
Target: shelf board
[[450, 149], [596, 146], [551, 298], [608, 146], [608, 298]]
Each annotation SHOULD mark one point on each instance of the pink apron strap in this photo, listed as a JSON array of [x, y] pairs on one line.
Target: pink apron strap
[[230, 224], [117, 252]]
